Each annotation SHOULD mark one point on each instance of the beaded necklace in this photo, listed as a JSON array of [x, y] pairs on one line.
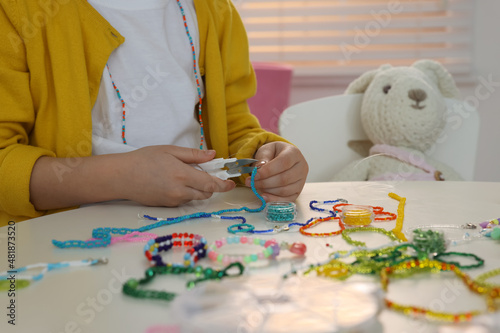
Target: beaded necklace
[[131, 287], [102, 236], [414, 266], [195, 71]]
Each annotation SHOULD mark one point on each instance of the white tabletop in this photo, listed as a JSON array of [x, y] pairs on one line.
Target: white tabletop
[[89, 299]]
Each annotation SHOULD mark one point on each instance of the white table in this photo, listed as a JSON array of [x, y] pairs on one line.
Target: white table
[[89, 299]]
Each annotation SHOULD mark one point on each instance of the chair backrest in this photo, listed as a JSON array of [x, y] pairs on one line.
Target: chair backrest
[[323, 128], [274, 82]]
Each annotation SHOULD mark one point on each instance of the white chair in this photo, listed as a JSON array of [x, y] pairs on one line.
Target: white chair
[[325, 129]]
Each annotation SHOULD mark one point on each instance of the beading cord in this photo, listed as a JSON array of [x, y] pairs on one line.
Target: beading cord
[[271, 249], [195, 71], [103, 235], [47, 267], [414, 266], [401, 215], [197, 247], [131, 287], [349, 240]]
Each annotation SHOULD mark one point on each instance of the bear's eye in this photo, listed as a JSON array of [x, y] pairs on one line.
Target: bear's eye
[[387, 88]]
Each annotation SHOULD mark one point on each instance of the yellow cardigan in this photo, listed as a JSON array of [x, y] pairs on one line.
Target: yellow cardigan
[[52, 56]]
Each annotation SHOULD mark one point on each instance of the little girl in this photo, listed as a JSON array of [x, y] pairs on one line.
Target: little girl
[[113, 99]]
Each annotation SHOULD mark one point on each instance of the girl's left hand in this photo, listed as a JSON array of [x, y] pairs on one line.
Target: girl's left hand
[[283, 175]]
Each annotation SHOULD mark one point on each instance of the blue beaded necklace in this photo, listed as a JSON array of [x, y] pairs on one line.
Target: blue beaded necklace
[[102, 236]]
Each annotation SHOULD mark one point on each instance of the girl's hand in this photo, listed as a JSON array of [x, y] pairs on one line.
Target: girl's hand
[[283, 175]]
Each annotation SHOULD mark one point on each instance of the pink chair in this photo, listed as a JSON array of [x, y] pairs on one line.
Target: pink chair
[[274, 83]]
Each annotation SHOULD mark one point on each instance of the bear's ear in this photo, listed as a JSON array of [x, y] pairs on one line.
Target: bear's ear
[[360, 85], [440, 75]]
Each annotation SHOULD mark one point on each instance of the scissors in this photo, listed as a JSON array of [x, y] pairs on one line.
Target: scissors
[[225, 168]]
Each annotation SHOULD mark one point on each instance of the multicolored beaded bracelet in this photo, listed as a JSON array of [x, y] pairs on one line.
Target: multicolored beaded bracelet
[[414, 266], [131, 287], [271, 249], [196, 251]]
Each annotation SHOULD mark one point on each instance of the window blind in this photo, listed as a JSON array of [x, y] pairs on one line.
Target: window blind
[[349, 37]]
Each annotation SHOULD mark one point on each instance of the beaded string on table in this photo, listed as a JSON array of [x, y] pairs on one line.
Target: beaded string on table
[[131, 287], [102, 236], [414, 266], [10, 275], [195, 71]]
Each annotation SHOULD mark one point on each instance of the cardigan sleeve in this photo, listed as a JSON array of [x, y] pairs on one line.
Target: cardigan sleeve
[[17, 118], [245, 135]]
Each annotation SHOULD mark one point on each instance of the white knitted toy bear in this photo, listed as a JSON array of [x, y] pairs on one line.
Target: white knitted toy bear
[[403, 114]]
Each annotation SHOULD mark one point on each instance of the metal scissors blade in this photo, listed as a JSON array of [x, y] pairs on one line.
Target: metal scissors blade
[[240, 166]]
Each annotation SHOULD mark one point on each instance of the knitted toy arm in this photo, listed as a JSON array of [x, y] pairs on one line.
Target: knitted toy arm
[[355, 171]]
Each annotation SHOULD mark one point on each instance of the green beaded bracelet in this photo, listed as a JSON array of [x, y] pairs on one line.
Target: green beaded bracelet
[[131, 287], [348, 239]]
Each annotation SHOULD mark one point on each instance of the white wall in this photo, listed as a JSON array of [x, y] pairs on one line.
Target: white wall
[[487, 68]]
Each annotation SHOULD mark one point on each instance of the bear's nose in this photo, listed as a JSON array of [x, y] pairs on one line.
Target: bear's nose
[[417, 95]]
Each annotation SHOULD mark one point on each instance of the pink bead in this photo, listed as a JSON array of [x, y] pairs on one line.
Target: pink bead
[[243, 239], [212, 255], [226, 260], [269, 242], [223, 240], [298, 248], [250, 240], [261, 255], [218, 243]]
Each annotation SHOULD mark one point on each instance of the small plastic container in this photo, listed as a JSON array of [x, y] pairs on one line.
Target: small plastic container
[[280, 211], [357, 215]]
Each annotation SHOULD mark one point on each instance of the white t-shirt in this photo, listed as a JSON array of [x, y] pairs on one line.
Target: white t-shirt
[[153, 70]]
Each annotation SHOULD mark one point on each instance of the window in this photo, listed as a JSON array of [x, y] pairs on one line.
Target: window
[[344, 38]]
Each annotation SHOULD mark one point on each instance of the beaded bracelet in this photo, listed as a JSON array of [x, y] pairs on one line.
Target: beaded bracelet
[[271, 249], [311, 224], [196, 243], [131, 287], [436, 266], [347, 238]]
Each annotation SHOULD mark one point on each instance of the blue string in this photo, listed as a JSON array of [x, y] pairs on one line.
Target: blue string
[[103, 235]]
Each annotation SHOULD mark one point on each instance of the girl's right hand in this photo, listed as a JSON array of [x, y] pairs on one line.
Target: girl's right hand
[[162, 176]]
